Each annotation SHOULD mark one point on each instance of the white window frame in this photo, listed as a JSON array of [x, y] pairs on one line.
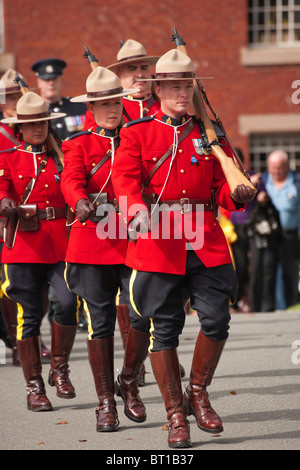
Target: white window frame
[[261, 144], [273, 32]]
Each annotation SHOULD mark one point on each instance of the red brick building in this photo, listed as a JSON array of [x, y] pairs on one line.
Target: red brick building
[[251, 48]]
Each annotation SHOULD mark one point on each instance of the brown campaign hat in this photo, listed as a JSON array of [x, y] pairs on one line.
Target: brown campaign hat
[[30, 108], [132, 51], [174, 65], [102, 84]]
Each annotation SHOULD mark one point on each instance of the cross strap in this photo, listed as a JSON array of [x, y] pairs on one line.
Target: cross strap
[[184, 134], [29, 187], [98, 166]]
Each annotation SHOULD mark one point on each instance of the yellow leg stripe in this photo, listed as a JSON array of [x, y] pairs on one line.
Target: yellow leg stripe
[[20, 314], [152, 337], [131, 282], [65, 276], [6, 283], [90, 329], [20, 317]]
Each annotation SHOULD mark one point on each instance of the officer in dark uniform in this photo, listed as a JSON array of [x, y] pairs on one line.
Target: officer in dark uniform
[[49, 80]]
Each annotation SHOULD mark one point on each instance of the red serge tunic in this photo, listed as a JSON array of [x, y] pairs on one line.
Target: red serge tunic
[[47, 244], [184, 174], [81, 153], [7, 137], [137, 108], [7, 141]]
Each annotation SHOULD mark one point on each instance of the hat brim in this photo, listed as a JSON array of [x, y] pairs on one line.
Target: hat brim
[[49, 76], [150, 59], [85, 98], [15, 120], [171, 79], [12, 92]]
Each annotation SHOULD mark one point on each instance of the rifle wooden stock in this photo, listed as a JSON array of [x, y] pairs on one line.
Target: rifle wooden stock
[[232, 173], [51, 141]]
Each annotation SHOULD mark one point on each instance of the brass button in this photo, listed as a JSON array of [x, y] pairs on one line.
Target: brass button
[[183, 191], [20, 176], [182, 171], [154, 159], [46, 185], [47, 202], [180, 151], [43, 171]]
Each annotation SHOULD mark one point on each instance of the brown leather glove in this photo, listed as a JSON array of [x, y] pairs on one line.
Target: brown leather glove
[[243, 194], [8, 207], [141, 223], [84, 209]]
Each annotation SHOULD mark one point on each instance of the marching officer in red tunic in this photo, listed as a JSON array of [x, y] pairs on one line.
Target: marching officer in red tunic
[[95, 262], [133, 64], [178, 244], [34, 251], [11, 94]]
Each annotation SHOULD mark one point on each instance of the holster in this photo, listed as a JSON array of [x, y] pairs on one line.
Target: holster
[[10, 226], [28, 215], [99, 199]]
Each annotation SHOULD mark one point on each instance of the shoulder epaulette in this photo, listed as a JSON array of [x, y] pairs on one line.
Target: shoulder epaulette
[[140, 120], [88, 131]]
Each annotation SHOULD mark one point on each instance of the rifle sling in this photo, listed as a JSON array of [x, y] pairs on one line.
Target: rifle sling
[[98, 166], [10, 137], [184, 134]]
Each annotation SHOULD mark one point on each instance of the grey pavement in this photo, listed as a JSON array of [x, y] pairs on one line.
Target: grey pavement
[[256, 390]]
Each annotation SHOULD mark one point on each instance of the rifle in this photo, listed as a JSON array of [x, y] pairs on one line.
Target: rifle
[[53, 142], [91, 58], [234, 175]]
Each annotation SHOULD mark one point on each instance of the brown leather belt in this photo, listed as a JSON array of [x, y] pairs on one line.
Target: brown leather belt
[[187, 205], [51, 213]]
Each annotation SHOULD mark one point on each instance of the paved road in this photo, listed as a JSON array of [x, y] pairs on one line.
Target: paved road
[[256, 390]]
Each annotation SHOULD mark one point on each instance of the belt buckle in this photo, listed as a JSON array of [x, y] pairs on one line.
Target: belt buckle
[[185, 201], [50, 213]]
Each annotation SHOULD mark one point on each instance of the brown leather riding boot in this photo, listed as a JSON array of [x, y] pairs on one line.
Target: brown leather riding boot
[[10, 314], [126, 385], [165, 367], [124, 326], [30, 357], [124, 322], [61, 346], [206, 357], [101, 357]]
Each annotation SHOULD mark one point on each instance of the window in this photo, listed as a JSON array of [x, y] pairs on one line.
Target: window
[[274, 22], [262, 144]]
